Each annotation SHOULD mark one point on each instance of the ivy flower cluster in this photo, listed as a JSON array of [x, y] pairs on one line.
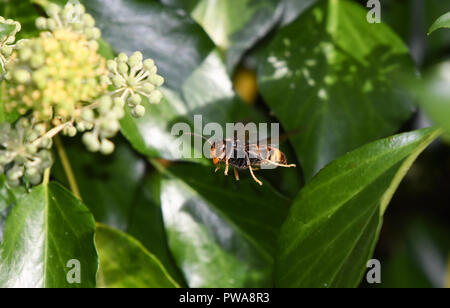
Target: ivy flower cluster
[[59, 83], [25, 152]]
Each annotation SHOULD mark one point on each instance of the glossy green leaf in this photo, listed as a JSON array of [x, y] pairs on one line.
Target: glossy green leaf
[[333, 225], [329, 76], [222, 233], [207, 92], [147, 226], [44, 232], [233, 35], [440, 23], [108, 184], [176, 43], [119, 194], [8, 199], [125, 263]]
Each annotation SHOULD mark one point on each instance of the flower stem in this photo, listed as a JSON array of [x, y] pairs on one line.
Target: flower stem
[[67, 167], [46, 177]]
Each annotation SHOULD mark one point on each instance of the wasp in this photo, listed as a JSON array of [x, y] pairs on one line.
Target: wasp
[[242, 156]]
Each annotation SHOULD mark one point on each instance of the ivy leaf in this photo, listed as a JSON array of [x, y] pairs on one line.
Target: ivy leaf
[[233, 35], [440, 23], [176, 43], [119, 195], [333, 225], [108, 184], [221, 233], [329, 76], [8, 198], [45, 230], [125, 263]]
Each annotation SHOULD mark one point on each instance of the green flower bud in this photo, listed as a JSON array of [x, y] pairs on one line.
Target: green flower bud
[[135, 100], [81, 126], [53, 9], [119, 102], [15, 173], [105, 104], [91, 142], [105, 80], [122, 58], [135, 59], [106, 147], [156, 80], [122, 68], [111, 65], [20, 44], [20, 160], [149, 64], [30, 172], [109, 127], [47, 160], [41, 23], [37, 61], [79, 9], [88, 20], [35, 179], [13, 183], [22, 76], [148, 88], [87, 115], [52, 24], [40, 129], [118, 81], [93, 33], [155, 97], [138, 111], [6, 50], [118, 112], [46, 143], [70, 131]]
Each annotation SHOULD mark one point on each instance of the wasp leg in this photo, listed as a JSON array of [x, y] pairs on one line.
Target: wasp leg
[[236, 174], [227, 166], [280, 165], [251, 172], [217, 168]]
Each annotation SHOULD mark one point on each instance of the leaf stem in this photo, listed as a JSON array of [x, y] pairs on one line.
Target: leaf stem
[[67, 167], [46, 177]]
